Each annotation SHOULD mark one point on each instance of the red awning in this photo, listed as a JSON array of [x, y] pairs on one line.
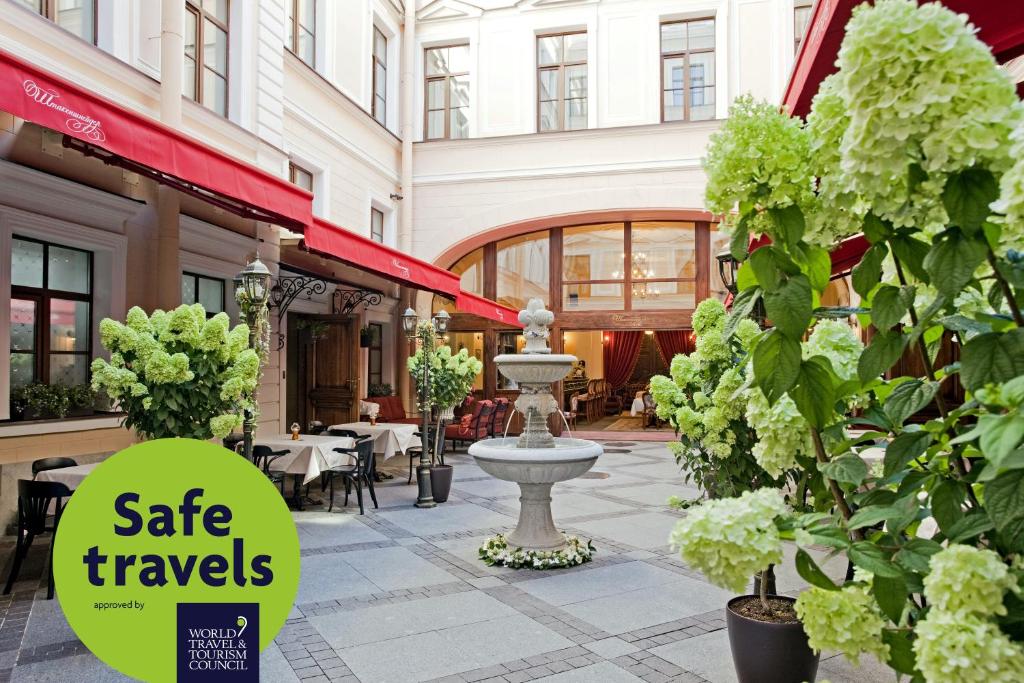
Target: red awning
[[467, 302], [360, 252], [1000, 24], [126, 138]]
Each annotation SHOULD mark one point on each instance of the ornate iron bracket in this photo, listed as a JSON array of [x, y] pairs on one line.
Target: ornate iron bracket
[[345, 301], [286, 290]]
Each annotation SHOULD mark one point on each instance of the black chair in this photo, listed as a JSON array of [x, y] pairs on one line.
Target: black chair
[[34, 500], [349, 433], [44, 464], [262, 457], [435, 446], [356, 475]]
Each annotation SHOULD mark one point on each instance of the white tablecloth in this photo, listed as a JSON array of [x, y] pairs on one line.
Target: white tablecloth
[[69, 476], [389, 438], [309, 456], [637, 407]]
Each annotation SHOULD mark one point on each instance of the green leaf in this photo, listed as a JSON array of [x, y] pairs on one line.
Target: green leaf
[[742, 306], [810, 572], [952, 261], [901, 651], [819, 268], [875, 229], [832, 537], [814, 393], [889, 304], [846, 469], [766, 268], [869, 556], [994, 357], [776, 364], [911, 252], [745, 278], [916, 554], [964, 325], [908, 398], [903, 449], [881, 353], [789, 306], [891, 595], [968, 527], [947, 501], [739, 241], [1000, 435], [790, 221], [1004, 502], [866, 274], [871, 515], [967, 196]]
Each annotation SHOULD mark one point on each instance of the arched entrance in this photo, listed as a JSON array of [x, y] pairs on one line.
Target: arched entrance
[[622, 286]]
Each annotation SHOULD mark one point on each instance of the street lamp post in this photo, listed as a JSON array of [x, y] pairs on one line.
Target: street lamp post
[[438, 328], [252, 289]]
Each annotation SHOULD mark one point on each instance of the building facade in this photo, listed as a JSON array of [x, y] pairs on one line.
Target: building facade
[[536, 147]]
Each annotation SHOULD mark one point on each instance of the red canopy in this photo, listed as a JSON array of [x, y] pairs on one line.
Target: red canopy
[[140, 143], [363, 253], [1000, 24], [485, 308]]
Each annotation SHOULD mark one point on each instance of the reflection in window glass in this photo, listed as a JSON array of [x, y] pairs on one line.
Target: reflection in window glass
[[68, 270], [207, 291], [23, 341], [688, 70], [69, 325], [593, 252], [664, 295], [77, 16], [471, 270], [509, 342], [523, 270], [562, 82], [663, 250], [447, 92], [473, 342], [26, 263], [593, 297]]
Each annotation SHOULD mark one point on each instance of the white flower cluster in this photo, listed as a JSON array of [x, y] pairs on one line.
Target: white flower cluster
[[847, 620], [496, 551]]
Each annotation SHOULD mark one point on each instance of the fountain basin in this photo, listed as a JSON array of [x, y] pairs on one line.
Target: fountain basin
[[536, 368]]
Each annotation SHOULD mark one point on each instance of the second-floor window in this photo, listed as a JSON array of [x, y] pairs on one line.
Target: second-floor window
[[302, 29], [380, 76], [76, 16], [688, 70], [447, 92], [206, 53], [801, 19], [562, 82], [199, 289], [300, 176], [377, 225]]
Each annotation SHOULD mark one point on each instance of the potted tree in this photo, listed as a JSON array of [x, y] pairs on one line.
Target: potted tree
[[895, 149], [451, 380], [177, 374]]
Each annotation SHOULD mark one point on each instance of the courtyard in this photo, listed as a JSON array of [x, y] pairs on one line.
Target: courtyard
[[399, 595]]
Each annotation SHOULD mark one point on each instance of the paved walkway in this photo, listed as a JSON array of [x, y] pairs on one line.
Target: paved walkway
[[398, 594]]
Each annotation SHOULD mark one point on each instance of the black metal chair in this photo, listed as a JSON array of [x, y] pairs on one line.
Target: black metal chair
[[435, 446], [34, 500], [263, 456], [44, 464], [356, 475]]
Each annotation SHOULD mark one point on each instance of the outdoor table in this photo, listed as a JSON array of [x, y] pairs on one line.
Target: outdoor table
[[308, 457], [638, 404], [389, 438], [69, 476]]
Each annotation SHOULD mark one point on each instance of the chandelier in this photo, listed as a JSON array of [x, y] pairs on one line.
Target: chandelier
[[640, 270]]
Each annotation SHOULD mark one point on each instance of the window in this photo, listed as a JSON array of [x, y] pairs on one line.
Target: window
[[447, 92], [206, 54], [801, 20], [593, 275], [51, 313], [76, 16], [688, 70], [302, 30], [200, 289], [380, 76], [663, 268], [470, 269], [375, 361], [523, 269], [300, 176], [377, 225], [562, 82]]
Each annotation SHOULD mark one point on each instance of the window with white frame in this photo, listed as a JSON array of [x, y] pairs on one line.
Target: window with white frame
[[206, 53], [377, 225], [688, 70], [446, 90], [76, 16], [562, 81], [302, 30], [380, 76]]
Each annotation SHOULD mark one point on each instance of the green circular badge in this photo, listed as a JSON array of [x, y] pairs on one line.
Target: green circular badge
[[177, 559]]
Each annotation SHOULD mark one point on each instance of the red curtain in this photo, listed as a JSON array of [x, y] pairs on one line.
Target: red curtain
[[621, 351], [672, 343]]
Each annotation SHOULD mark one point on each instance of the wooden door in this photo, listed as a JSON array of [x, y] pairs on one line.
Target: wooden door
[[326, 370]]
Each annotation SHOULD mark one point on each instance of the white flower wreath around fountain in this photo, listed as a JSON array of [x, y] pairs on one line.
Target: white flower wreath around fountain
[[497, 551]]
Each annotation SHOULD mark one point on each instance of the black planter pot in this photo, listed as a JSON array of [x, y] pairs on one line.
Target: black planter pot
[[441, 482], [763, 652]]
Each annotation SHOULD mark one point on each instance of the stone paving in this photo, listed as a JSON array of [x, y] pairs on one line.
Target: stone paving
[[399, 595]]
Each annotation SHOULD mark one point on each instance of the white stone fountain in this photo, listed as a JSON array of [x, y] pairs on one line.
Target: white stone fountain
[[535, 460]]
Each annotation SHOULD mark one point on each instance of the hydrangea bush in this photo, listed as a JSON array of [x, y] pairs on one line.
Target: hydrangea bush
[[916, 143], [177, 374], [451, 374]]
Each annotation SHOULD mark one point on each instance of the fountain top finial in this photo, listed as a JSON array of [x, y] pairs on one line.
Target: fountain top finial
[[535, 320]]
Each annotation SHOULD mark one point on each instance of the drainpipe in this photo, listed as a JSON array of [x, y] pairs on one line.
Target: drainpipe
[[406, 113], [172, 50]]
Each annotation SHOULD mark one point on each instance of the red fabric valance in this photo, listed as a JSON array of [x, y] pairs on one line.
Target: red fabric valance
[[467, 302], [673, 342], [50, 101], [621, 351]]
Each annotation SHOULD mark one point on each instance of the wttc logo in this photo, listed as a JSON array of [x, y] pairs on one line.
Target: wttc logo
[[78, 123], [218, 642]]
